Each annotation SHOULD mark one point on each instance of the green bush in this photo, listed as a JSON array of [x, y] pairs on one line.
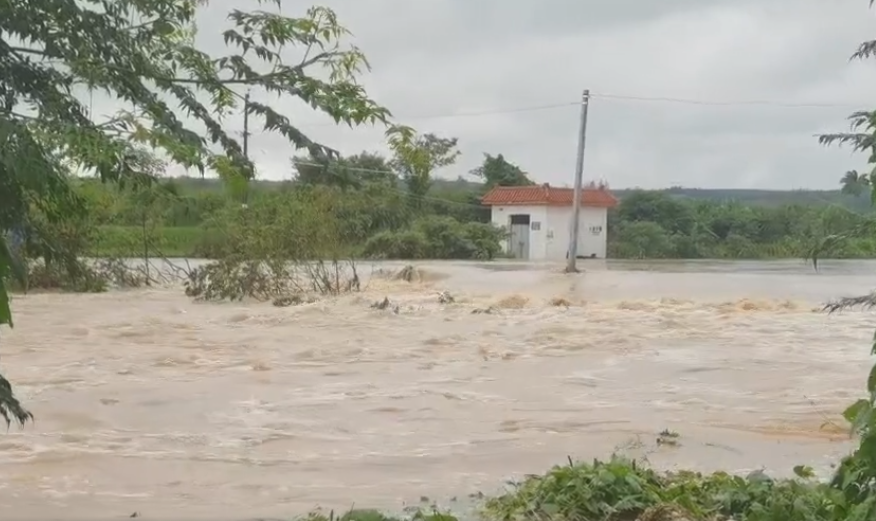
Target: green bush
[[437, 238], [375, 515], [133, 241], [405, 244], [641, 240], [620, 489], [202, 242]]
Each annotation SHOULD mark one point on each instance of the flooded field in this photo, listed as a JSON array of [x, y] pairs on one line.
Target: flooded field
[[147, 401]]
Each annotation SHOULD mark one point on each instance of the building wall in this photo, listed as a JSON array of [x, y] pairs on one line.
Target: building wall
[[551, 240], [501, 216], [592, 232]]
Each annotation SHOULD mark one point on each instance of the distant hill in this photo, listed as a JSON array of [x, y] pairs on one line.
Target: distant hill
[[744, 196]]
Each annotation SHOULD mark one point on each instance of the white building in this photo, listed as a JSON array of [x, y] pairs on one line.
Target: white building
[[539, 219]]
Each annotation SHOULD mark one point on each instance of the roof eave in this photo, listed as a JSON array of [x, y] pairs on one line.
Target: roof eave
[[514, 203]]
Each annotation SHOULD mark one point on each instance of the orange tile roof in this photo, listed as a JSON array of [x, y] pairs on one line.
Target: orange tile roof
[[592, 196]]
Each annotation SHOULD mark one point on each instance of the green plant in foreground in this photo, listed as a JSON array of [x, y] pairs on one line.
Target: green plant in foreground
[[856, 475], [376, 515], [10, 407], [144, 53], [621, 489]]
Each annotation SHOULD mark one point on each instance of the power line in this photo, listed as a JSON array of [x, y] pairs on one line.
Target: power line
[[618, 97], [724, 103], [532, 108], [473, 114]]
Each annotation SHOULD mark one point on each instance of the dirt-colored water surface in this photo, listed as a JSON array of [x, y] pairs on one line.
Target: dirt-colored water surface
[[149, 402]]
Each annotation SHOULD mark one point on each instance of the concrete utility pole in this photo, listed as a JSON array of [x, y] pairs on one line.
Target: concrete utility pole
[[571, 266], [246, 126], [246, 141]]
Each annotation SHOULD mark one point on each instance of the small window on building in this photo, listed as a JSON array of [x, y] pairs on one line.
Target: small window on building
[[536, 226], [550, 234]]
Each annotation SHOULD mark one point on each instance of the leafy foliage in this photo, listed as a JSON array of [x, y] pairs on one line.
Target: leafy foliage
[[417, 157], [497, 171], [238, 279], [648, 224], [655, 225], [622, 489], [856, 475], [854, 183], [286, 243], [437, 238], [142, 52], [861, 137], [10, 407], [373, 515], [354, 172], [363, 199]]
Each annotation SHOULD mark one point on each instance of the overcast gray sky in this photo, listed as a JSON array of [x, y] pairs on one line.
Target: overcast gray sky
[[451, 57]]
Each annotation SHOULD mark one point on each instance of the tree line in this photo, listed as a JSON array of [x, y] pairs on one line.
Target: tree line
[[391, 211], [386, 207]]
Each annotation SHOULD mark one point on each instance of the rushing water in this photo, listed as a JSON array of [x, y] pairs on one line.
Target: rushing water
[[147, 401]]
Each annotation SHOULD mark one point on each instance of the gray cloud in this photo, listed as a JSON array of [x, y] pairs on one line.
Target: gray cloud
[[445, 57]]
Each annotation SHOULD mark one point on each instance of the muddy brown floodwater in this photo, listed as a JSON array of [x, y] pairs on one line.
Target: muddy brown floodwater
[[149, 402]]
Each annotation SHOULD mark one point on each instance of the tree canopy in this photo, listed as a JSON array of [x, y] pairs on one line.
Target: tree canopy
[[346, 172], [143, 52], [497, 171], [416, 157]]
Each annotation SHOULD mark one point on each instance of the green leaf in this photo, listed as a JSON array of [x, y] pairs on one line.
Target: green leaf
[[854, 411], [5, 310], [804, 471], [13, 263], [163, 28], [10, 407], [8, 266]]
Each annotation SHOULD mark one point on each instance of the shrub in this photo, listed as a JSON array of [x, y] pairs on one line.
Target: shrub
[[159, 241], [437, 238], [238, 279], [405, 244], [486, 239], [281, 244], [621, 489]]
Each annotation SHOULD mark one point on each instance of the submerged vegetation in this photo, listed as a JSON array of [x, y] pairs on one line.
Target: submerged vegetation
[[298, 238]]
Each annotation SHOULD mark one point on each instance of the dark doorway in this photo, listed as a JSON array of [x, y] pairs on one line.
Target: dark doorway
[[519, 246]]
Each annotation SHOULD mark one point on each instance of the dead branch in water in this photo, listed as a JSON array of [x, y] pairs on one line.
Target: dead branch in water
[[864, 302], [174, 272]]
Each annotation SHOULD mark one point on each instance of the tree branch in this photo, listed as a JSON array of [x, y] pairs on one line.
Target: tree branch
[[865, 301], [35, 52]]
